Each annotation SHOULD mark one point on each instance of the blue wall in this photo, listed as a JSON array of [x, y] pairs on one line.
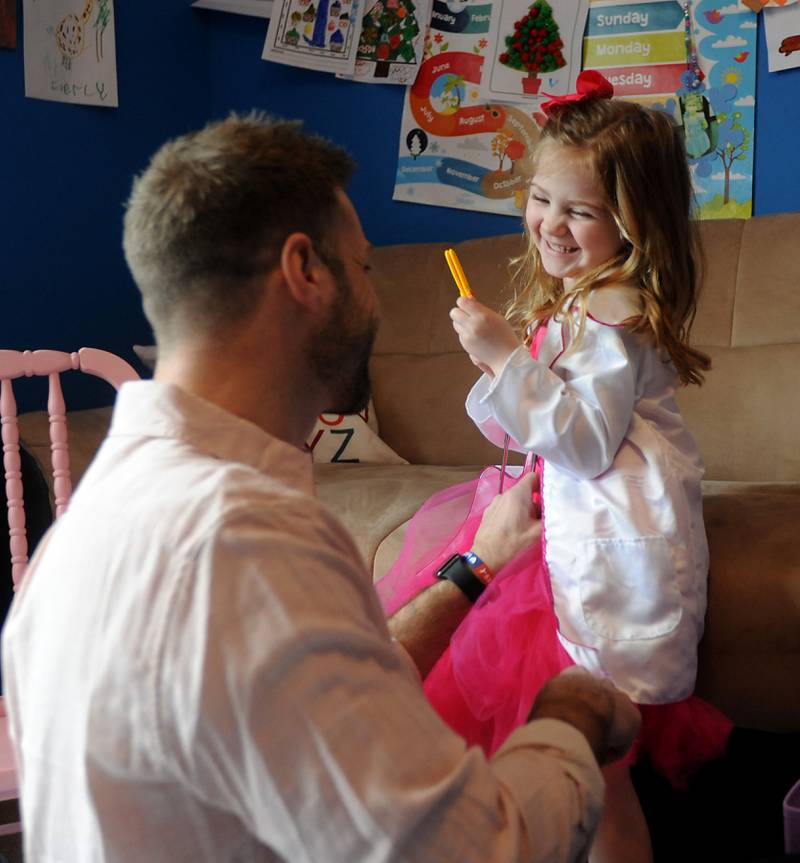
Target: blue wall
[[66, 171]]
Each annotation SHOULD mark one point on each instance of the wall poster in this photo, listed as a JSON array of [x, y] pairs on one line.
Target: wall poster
[[466, 137], [69, 51], [643, 49], [459, 148]]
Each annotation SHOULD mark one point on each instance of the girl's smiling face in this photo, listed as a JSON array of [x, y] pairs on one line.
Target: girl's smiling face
[[568, 216]]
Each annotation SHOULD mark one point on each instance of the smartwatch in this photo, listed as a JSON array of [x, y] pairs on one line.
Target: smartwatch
[[468, 573]]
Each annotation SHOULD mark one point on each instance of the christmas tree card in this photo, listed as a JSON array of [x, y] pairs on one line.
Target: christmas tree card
[[390, 46], [535, 49]]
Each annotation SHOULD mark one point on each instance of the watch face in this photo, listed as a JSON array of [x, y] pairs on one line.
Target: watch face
[[442, 572], [458, 571]]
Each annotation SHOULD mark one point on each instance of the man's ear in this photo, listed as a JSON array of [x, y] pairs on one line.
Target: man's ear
[[302, 270]]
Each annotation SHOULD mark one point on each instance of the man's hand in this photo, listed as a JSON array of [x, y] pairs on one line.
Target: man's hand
[[424, 626], [509, 524], [487, 337], [606, 718]]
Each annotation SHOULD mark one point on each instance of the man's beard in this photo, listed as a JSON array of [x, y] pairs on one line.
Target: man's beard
[[339, 355]]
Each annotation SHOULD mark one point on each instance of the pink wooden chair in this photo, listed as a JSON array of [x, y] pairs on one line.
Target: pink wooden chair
[[16, 364]]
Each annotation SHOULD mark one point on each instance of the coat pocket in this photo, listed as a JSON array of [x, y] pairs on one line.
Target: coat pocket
[[628, 588]]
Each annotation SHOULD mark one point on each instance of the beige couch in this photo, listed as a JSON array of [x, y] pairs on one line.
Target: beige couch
[[746, 417]]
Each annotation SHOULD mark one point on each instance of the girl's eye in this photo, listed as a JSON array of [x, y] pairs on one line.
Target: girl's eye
[[539, 199], [582, 214]]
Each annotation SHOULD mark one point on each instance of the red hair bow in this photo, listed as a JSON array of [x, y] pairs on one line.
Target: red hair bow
[[590, 85]]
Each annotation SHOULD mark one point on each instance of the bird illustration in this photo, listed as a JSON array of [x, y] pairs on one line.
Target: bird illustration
[[713, 16], [742, 56]]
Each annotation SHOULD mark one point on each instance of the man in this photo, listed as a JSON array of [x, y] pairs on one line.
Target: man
[[197, 667]]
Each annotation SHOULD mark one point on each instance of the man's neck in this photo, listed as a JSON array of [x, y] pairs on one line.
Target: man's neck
[[264, 390]]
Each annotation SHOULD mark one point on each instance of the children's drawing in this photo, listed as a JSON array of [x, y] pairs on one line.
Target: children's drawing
[[782, 35], [101, 25], [457, 149], [535, 49], [320, 35], [8, 23], [69, 35], [60, 64], [390, 46], [789, 44]]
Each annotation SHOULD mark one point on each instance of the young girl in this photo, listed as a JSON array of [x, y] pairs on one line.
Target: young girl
[[605, 299]]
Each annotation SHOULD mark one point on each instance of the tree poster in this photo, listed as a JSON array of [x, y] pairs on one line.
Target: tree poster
[[642, 48], [69, 51], [535, 49], [314, 34], [390, 45], [456, 149]]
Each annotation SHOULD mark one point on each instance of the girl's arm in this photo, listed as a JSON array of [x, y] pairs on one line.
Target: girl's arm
[[575, 419]]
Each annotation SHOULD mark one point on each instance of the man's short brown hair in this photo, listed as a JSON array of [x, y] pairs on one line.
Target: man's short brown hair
[[213, 209]]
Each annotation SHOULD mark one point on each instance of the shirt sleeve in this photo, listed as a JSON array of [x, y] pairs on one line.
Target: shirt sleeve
[[295, 711], [575, 415]]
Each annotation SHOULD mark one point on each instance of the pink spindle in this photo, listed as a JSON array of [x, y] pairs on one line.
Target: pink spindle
[[18, 539], [62, 482]]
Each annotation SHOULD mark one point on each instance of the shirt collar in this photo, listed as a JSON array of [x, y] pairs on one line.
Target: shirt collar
[[152, 409]]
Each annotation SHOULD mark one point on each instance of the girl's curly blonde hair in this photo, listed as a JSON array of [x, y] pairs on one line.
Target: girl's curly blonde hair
[[639, 159]]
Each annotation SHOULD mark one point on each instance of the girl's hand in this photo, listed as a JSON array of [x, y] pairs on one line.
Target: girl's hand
[[487, 337]]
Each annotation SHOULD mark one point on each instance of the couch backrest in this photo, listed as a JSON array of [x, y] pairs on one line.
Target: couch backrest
[[746, 417]]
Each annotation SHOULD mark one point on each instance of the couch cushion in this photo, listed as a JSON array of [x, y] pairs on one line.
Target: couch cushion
[[420, 402], [750, 655], [373, 500], [767, 309], [747, 414]]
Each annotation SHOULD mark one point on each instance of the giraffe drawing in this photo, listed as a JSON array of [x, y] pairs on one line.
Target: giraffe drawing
[[69, 34]]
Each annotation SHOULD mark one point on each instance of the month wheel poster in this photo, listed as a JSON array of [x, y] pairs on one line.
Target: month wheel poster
[[467, 134]]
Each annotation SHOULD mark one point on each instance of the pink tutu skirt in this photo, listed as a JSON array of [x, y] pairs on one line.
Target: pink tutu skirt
[[507, 647]]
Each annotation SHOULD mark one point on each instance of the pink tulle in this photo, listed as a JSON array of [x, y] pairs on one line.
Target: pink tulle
[[681, 737], [485, 683]]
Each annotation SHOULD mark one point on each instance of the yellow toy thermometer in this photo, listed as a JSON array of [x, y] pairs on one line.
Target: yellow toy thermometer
[[457, 272]]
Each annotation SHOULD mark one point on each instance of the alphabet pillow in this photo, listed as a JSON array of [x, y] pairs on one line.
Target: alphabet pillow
[[350, 439]]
